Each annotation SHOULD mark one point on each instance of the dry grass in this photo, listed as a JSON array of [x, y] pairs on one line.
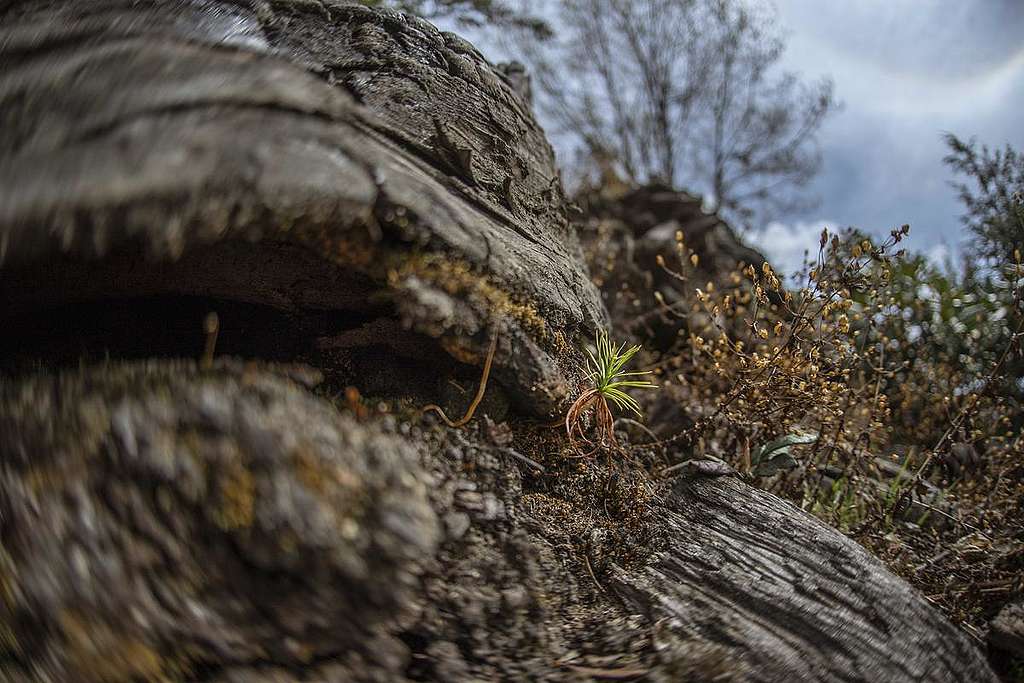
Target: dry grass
[[914, 454]]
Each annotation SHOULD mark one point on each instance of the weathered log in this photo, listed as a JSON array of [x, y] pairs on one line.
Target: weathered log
[[787, 596], [1006, 632], [362, 151], [355, 190]]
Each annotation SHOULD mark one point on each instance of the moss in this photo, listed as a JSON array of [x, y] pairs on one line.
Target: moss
[[446, 271], [457, 278], [346, 251], [390, 267], [562, 346]]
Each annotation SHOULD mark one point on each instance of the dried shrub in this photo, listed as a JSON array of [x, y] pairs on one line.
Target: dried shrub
[[880, 394]]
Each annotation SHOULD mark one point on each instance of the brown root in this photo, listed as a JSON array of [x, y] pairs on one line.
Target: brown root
[[604, 421], [479, 392]]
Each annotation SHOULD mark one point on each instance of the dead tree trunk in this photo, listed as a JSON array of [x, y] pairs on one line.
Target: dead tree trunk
[[363, 202]]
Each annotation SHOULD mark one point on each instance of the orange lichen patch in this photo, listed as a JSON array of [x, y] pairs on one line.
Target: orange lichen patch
[[237, 494], [97, 653]]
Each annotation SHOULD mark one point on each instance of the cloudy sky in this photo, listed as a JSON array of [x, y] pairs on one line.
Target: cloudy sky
[[906, 71]]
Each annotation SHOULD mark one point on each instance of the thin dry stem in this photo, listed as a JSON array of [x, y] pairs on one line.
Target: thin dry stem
[[479, 392]]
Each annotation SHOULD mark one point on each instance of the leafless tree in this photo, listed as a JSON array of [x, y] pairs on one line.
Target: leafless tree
[[689, 92]]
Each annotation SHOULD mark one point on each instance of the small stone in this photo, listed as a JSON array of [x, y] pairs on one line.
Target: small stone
[[448, 661], [469, 500], [703, 468], [456, 524], [493, 508], [515, 597]]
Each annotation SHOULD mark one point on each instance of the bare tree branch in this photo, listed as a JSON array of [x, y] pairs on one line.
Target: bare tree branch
[[688, 92]]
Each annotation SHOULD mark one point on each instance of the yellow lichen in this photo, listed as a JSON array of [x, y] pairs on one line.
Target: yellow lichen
[[6, 581], [95, 652], [561, 344], [237, 494], [320, 475], [310, 471], [8, 641]]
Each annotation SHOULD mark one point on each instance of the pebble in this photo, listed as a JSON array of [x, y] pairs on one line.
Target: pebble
[[456, 524], [493, 508]]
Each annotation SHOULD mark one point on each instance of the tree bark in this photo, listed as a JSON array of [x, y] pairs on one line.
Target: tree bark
[[368, 138]]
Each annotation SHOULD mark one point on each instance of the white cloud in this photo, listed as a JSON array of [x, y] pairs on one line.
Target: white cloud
[[785, 244], [940, 254]]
